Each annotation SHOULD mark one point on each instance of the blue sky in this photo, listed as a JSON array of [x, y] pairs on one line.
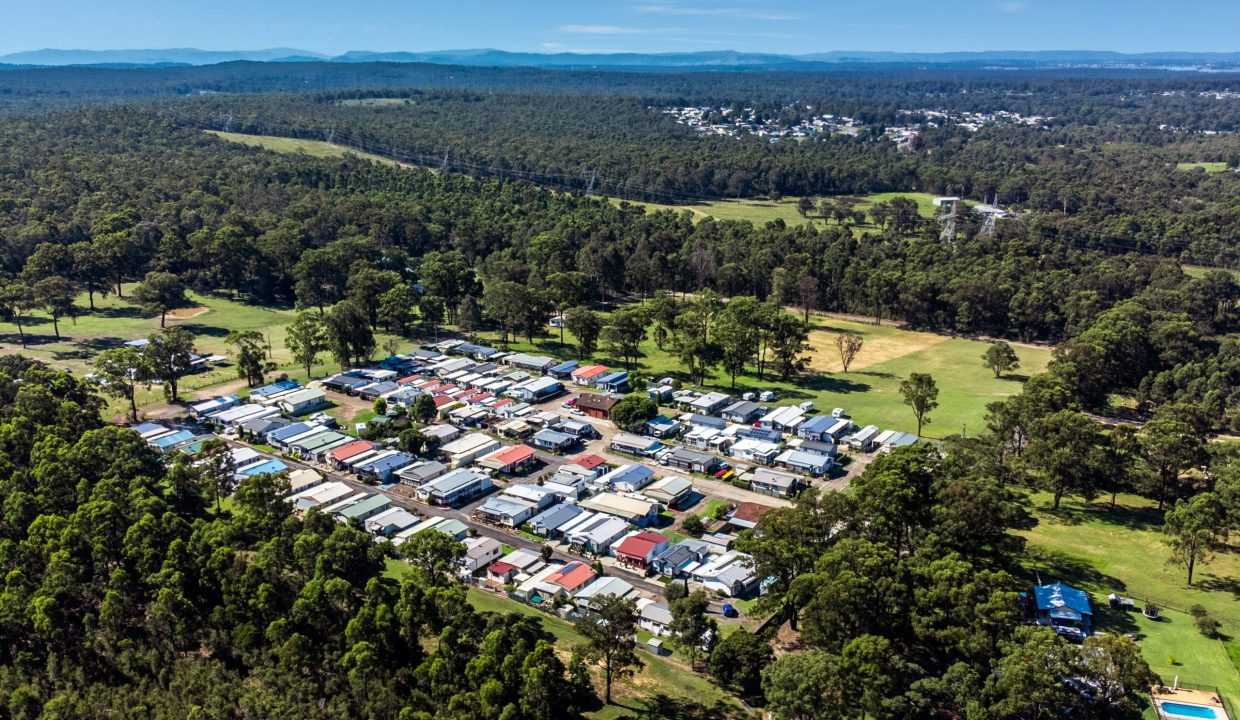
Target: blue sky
[[785, 26]]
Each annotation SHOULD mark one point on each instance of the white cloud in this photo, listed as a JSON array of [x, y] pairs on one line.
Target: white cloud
[[724, 12], [601, 30]]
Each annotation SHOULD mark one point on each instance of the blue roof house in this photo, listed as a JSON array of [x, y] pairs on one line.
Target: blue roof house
[[1065, 609]]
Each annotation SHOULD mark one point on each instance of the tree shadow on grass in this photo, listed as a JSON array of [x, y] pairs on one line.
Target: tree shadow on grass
[[1101, 511], [132, 312], [663, 707], [208, 330], [1214, 583], [875, 374], [1047, 566], [1121, 622], [32, 339]]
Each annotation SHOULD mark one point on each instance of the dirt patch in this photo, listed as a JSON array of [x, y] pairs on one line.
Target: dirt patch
[[228, 388], [187, 313], [825, 357]]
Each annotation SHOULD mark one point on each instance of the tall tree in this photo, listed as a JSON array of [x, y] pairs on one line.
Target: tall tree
[[16, 298], [349, 334], [366, 287], [609, 639], [848, 344], [305, 338], [160, 292], [624, 332], [396, 308], [169, 354], [737, 661], [121, 370], [632, 412], [251, 347], [423, 409], [585, 325], [737, 333], [693, 630], [1000, 358], [219, 471], [506, 303], [55, 295], [433, 555], [89, 269], [1195, 528], [1066, 454], [787, 342], [922, 395], [1170, 446], [807, 294]]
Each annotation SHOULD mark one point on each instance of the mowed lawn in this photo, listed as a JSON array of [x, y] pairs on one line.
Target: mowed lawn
[[1124, 552], [870, 391], [760, 211], [661, 689]]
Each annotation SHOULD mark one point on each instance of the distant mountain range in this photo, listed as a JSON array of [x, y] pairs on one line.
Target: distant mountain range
[[724, 59]]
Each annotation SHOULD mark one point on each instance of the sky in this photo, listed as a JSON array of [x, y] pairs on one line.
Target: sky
[[781, 26]]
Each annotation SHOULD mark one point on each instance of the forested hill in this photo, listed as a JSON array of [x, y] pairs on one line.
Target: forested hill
[[101, 196]]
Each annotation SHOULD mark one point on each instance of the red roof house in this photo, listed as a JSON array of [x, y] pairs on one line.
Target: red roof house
[[353, 449], [639, 550], [510, 459], [572, 576]]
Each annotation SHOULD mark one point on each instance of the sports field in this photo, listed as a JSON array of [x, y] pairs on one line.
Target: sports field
[[1124, 552], [870, 391]]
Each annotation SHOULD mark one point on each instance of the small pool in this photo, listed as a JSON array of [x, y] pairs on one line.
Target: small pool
[[1189, 711]]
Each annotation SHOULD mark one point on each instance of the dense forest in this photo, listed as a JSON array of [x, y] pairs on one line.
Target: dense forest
[[1108, 182], [125, 596], [99, 196]]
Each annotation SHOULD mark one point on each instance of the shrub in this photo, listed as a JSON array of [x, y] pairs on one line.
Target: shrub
[[693, 525], [1207, 625], [1197, 611]]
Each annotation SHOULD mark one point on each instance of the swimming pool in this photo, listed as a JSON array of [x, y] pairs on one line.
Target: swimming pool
[[1189, 711]]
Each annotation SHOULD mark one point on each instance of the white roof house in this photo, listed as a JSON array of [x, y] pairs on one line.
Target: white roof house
[[627, 478], [783, 418], [730, 573], [599, 534], [464, 450], [630, 509], [588, 596]]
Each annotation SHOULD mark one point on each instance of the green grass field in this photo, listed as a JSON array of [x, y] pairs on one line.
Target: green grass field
[[1124, 552], [761, 211], [870, 391], [313, 148], [1209, 167], [115, 321]]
